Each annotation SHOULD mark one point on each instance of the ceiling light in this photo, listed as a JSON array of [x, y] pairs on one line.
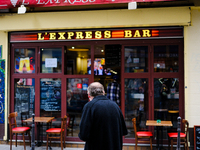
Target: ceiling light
[[102, 50], [73, 47], [79, 49]]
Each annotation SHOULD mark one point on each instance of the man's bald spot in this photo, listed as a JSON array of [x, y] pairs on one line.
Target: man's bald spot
[[96, 84], [96, 89]]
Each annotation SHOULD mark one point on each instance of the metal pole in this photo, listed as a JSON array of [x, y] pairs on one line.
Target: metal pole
[[179, 132], [33, 133]]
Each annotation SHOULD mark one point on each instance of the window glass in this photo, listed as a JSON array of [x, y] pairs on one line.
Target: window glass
[[50, 97], [107, 64], [78, 60], [136, 59], [166, 58], [76, 98], [107, 60], [24, 60], [51, 60], [24, 97], [166, 100], [136, 104]]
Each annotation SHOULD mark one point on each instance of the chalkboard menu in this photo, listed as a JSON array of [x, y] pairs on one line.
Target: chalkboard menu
[[50, 93], [196, 137], [113, 55], [24, 99]]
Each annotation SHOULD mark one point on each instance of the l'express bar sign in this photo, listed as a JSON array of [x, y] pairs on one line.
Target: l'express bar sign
[[96, 35]]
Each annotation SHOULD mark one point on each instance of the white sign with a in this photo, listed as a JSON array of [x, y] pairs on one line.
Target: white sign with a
[[50, 62]]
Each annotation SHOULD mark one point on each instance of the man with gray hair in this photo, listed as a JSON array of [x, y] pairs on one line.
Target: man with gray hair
[[102, 124]]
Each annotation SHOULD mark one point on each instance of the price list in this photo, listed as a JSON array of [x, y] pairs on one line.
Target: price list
[[50, 95]]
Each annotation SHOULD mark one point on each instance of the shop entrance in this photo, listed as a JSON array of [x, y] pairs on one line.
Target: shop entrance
[[53, 79], [151, 82]]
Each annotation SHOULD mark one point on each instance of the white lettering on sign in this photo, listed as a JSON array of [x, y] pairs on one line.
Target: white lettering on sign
[[24, 2], [46, 2], [50, 62], [40, 2], [78, 1]]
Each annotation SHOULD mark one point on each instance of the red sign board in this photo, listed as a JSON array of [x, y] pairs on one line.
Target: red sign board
[[79, 86], [105, 34], [5, 4]]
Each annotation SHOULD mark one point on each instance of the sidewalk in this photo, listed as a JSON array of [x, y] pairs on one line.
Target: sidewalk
[[21, 147]]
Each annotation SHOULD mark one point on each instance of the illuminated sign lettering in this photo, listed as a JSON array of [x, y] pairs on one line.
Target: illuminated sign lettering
[[111, 34], [94, 35]]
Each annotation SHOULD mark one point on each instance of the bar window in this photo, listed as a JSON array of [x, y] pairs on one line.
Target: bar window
[[136, 104], [50, 97], [166, 58], [24, 60], [136, 59], [51, 60], [78, 60], [76, 99], [24, 97]]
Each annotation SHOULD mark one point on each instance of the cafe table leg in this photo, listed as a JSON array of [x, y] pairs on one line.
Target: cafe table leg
[[159, 129], [157, 139], [39, 130], [49, 125]]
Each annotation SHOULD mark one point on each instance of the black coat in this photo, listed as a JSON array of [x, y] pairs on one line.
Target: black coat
[[102, 125]]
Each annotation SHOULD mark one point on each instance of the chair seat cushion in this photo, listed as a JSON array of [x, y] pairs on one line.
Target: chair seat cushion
[[144, 133], [175, 135], [21, 129], [54, 130]]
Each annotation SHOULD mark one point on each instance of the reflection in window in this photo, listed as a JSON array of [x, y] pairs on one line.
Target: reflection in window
[[76, 99], [166, 94], [24, 60], [166, 58], [107, 60], [78, 59], [51, 60], [136, 59], [166, 99], [24, 97], [107, 64], [136, 104], [50, 97]]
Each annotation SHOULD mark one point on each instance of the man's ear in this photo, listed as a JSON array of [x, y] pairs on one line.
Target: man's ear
[[103, 92]]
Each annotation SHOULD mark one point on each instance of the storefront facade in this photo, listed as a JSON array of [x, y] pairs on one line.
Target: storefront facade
[[64, 54]]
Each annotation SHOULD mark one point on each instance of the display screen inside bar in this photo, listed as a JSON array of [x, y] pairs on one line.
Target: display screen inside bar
[[107, 34]]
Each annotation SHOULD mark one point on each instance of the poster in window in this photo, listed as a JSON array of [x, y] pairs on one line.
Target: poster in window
[[2, 91]]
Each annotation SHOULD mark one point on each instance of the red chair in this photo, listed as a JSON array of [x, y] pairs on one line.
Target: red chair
[[15, 130], [183, 136], [141, 134], [58, 131]]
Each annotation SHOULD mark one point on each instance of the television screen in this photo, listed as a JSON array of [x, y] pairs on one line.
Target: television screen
[[99, 67]]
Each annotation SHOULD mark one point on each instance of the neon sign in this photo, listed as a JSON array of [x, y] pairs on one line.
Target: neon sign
[[97, 35]]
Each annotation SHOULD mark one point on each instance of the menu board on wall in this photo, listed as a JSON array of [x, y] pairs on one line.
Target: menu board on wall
[[113, 55], [196, 137], [24, 99], [50, 94]]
